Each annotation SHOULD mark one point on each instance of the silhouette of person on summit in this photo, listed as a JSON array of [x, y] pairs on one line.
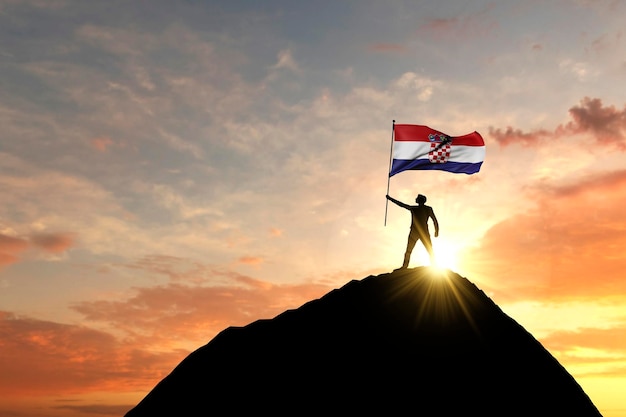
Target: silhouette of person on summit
[[419, 227]]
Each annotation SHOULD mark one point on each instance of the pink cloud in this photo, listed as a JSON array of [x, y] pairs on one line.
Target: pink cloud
[[606, 124], [102, 144]]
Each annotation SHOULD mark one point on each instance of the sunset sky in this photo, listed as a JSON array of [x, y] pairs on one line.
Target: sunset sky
[[172, 168]]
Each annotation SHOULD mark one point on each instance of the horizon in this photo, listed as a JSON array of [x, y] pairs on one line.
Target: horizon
[[169, 170]]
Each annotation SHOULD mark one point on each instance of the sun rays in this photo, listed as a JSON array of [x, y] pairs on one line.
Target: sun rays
[[442, 295]]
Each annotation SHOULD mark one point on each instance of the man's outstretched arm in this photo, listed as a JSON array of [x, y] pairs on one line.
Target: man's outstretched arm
[[400, 203]]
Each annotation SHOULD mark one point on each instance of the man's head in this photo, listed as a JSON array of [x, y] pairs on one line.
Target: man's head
[[420, 199]]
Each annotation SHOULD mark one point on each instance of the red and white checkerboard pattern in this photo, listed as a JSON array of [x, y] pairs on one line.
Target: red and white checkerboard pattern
[[439, 156]]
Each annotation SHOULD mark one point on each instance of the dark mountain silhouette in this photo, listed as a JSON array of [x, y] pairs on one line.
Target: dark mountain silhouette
[[413, 342]]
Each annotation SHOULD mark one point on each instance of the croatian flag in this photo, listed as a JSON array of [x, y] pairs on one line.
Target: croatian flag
[[417, 147]]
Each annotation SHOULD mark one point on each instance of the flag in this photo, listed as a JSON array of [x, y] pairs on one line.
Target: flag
[[417, 147]]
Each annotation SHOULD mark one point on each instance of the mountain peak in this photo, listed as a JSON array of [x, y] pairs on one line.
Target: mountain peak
[[420, 340]]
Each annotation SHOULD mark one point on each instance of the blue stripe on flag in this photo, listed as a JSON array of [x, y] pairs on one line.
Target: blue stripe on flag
[[399, 165]]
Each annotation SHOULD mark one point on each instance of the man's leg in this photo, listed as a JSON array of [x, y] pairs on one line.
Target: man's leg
[[429, 247], [410, 244]]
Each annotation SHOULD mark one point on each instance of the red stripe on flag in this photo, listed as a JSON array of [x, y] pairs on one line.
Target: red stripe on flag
[[419, 133]]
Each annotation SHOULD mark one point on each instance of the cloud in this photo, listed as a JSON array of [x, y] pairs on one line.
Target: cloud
[[611, 339], [12, 244], [97, 409], [285, 60], [580, 70], [42, 357], [116, 40], [101, 144], [251, 260], [194, 313], [510, 136], [477, 25], [276, 232], [597, 351], [173, 267], [606, 43], [387, 47], [13, 248], [37, 4], [606, 124], [10, 248], [7, 259], [568, 245], [154, 329], [176, 201], [52, 243]]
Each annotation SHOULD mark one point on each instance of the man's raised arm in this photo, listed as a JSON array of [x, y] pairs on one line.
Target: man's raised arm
[[400, 203]]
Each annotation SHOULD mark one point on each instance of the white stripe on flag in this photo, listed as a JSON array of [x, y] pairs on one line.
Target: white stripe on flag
[[408, 150]]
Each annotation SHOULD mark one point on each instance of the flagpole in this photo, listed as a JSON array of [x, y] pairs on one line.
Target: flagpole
[[393, 125]]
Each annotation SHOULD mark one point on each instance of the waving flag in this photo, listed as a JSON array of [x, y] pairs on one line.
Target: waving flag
[[417, 147]]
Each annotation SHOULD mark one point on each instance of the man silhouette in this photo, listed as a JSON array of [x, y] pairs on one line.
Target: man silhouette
[[419, 227]]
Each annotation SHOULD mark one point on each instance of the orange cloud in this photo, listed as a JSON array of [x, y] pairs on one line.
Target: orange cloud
[[42, 357], [101, 144], [610, 341], [173, 319], [251, 260], [10, 248], [606, 124], [52, 243], [6, 259], [96, 409], [275, 232], [194, 312], [570, 246]]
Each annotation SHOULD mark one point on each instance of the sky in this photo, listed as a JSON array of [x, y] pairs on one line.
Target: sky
[[172, 168]]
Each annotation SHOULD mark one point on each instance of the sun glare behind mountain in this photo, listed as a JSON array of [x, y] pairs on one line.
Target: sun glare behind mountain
[[446, 253]]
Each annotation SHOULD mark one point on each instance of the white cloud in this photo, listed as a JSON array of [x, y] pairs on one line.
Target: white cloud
[[286, 61], [179, 204], [580, 70]]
